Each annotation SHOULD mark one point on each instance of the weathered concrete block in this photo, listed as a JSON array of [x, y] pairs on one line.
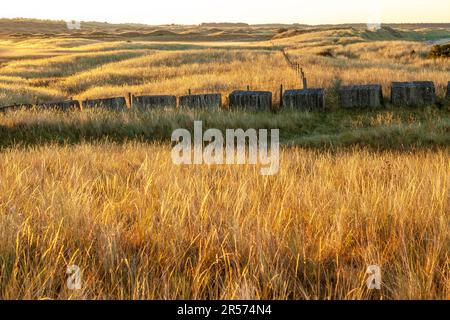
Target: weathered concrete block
[[201, 101], [150, 102], [16, 107], [412, 94], [118, 103], [361, 96], [306, 99], [251, 100], [61, 105]]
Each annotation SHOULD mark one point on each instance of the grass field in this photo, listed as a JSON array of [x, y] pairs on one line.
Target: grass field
[[98, 189], [387, 129], [140, 227], [54, 67]]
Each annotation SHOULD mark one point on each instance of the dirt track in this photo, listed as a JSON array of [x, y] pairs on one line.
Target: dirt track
[[440, 41]]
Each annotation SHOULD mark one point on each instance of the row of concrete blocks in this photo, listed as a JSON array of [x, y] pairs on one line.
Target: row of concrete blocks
[[411, 94], [357, 96], [120, 103]]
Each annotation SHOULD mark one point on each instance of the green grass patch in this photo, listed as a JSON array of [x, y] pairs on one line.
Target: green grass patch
[[382, 129]]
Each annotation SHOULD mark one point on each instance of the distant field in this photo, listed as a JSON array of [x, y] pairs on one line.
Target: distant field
[[57, 66], [98, 188]]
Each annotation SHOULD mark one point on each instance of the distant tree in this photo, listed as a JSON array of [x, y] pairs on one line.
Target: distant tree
[[282, 30]]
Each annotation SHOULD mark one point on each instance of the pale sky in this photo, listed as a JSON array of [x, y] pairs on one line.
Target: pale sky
[[250, 11]]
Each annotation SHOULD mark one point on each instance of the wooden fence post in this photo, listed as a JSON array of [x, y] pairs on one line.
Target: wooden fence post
[[281, 95], [130, 99], [303, 79]]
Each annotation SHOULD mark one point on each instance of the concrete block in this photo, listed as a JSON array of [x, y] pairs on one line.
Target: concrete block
[[151, 102], [61, 105], [306, 99], [210, 101], [118, 103], [413, 94], [361, 96], [251, 100]]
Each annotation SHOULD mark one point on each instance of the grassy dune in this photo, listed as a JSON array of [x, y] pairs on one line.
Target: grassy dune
[[98, 188], [103, 67]]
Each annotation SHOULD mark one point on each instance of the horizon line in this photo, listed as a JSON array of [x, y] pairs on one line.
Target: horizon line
[[220, 22]]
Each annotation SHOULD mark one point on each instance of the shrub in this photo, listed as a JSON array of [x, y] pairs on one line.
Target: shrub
[[440, 51], [326, 53]]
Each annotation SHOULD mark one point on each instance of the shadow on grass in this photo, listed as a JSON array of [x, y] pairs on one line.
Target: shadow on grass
[[400, 129]]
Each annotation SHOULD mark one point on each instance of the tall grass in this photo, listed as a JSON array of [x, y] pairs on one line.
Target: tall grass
[[392, 129], [140, 227]]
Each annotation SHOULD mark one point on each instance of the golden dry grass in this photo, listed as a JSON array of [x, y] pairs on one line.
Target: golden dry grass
[[358, 61], [96, 68], [143, 228]]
